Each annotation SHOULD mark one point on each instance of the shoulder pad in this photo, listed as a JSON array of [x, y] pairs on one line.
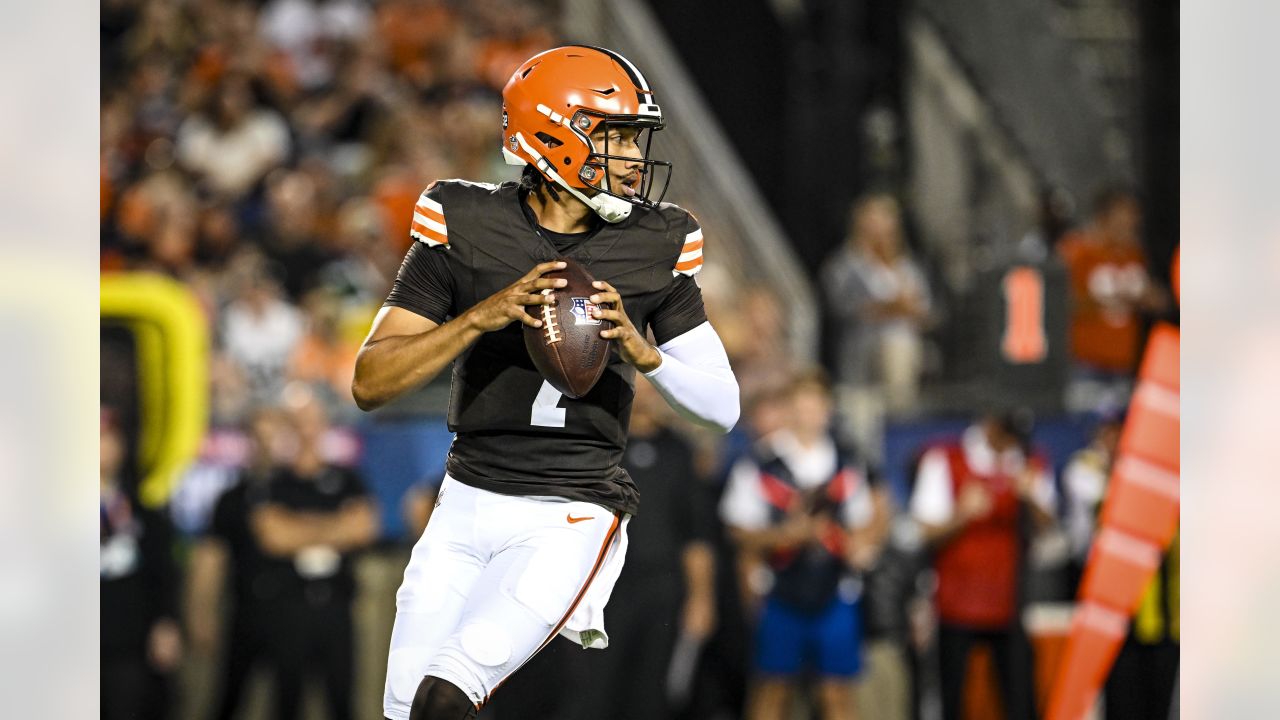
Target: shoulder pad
[[429, 214]]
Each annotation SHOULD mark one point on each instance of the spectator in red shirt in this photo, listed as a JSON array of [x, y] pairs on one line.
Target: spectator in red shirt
[[969, 496]]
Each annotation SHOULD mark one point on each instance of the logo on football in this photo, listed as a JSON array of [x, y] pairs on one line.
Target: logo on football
[[582, 312]]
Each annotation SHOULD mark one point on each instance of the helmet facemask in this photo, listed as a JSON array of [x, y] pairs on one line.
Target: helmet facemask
[[594, 172]]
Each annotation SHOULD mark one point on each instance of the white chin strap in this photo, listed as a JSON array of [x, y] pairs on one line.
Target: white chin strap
[[608, 207]]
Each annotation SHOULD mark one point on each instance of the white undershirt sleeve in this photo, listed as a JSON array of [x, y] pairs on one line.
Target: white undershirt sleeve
[[742, 505], [696, 380], [931, 502]]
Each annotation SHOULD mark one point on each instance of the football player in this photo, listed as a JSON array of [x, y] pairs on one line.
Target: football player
[[529, 532]]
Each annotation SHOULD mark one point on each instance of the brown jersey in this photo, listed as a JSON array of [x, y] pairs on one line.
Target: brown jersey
[[515, 434]]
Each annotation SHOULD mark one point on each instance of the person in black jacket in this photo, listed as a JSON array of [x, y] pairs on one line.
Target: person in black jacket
[[312, 519], [140, 642], [227, 553]]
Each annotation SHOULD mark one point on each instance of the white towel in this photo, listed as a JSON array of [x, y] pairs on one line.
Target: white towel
[[586, 625]]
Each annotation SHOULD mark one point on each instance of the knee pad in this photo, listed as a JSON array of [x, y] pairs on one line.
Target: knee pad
[[438, 699]]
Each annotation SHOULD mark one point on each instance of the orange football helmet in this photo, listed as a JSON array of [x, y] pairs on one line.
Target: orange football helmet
[[553, 104]]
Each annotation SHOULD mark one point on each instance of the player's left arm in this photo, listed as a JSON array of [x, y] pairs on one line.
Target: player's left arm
[[690, 370]]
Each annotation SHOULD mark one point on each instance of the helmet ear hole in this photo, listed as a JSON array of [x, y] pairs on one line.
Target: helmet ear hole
[[548, 140]]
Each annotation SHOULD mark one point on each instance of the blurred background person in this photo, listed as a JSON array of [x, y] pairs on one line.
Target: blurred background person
[[804, 509], [260, 330], [229, 553], [315, 516], [1084, 486], [1112, 294], [418, 503], [879, 301], [141, 643], [722, 674], [969, 498], [324, 359], [234, 141], [890, 593]]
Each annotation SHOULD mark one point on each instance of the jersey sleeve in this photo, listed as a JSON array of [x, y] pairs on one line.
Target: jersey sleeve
[[424, 284], [681, 310]]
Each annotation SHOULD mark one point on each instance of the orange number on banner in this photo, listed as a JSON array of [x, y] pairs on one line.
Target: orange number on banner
[[1024, 338]]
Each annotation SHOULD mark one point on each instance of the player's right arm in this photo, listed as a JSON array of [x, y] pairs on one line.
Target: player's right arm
[[405, 350]]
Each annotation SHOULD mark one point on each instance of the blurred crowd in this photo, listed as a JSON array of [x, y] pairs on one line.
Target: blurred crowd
[[267, 155]]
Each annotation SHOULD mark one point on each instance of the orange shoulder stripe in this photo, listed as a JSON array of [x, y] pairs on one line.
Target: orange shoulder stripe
[[432, 214], [429, 234]]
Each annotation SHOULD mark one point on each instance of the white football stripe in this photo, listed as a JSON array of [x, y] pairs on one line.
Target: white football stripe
[[424, 220], [694, 236], [644, 84], [691, 255], [430, 204]]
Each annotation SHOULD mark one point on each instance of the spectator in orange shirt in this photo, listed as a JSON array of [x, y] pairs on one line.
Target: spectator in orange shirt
[[322, 357], [1110, 286]]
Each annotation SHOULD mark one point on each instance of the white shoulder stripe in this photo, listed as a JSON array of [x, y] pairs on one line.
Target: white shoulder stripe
[[424, 220], [694, 236], [691, 255], [426, 202]]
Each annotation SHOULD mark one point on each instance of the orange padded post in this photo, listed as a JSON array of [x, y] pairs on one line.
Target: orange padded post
[[1142, 500], [1151, 428], [1119, 568], [1138, 520], [1096, 635]]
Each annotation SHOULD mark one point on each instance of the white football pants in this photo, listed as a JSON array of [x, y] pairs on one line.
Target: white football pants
[[492, 580]]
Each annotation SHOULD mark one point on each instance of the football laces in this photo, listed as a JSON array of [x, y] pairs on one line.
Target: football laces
[[550, 328]]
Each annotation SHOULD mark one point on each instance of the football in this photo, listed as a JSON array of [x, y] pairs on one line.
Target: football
[[568, 349]]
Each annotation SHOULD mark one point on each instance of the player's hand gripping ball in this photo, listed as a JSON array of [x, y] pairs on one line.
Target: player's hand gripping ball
[[567, 349]]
